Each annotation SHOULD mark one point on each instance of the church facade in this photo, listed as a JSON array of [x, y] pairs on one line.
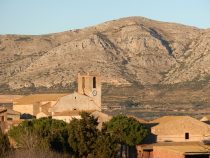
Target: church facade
[[86, 98]]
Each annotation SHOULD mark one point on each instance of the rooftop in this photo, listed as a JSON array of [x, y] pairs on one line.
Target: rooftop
[[173, 125], [34, 98], [9, 98], [165, 119]]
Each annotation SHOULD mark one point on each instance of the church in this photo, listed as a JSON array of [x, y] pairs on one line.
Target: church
[[88, 96], [64, 106]]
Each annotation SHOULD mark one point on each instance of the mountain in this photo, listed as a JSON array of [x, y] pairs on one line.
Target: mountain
[[158, 57]]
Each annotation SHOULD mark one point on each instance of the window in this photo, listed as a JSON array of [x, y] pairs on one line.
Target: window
[[94, 82], [187, 136], [9, 119], [83, 83]]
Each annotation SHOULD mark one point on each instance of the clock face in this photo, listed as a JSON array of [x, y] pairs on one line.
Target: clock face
[[94, 92]]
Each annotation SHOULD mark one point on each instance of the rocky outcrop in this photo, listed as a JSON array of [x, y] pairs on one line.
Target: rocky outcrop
[[125, 51]]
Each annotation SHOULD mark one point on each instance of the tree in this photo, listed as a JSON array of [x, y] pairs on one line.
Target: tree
[[126, 131], [4, 144], [41, 134], [83, 134], [105, 146]]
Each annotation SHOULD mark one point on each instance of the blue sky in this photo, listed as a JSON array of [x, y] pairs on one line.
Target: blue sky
[[47, 16]]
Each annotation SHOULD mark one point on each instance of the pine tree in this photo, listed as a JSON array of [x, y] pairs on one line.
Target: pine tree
[[105, 146], [83, 134], [126, 131]]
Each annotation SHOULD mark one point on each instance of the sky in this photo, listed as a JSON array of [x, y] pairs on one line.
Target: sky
[[47, 16]]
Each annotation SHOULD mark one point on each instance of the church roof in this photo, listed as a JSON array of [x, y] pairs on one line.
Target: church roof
[[9, 98], [34, 98], [75, 101]]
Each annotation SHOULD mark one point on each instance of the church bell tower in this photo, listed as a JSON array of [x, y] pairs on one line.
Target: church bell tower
[[90, 85]]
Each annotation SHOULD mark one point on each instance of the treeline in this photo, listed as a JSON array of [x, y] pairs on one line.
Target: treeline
[[79, 138]]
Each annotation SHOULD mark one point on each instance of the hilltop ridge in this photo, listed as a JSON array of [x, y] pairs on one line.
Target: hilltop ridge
[[125, 50], [164, 58]]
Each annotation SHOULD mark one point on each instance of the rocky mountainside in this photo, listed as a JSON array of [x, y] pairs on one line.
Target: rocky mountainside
[[131, 51]]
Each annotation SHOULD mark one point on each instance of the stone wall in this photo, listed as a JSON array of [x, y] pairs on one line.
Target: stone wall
[[27, 109]]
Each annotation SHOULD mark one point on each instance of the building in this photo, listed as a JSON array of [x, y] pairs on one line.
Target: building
[[44, 110], [8, 114], [67, 116], [179, 129], [186, 150], [171, 136], [75, 102], [87, 98], [90, 85], [7, 100], [3, 114], [31, 104], [8, 117], [66, 106], [174, 150]]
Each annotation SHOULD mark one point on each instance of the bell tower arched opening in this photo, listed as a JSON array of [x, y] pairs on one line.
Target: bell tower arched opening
[[94, 82]]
